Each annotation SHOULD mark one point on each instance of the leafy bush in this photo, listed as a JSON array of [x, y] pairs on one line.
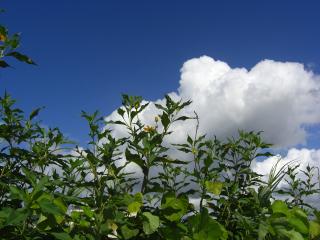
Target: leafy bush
[[51, 189]]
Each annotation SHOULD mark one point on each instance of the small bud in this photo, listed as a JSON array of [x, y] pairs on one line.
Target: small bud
[[2, 38], [149, 129], [194, 151], [137, 105]]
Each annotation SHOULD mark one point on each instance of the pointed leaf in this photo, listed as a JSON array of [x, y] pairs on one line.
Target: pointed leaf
[[21, 57]]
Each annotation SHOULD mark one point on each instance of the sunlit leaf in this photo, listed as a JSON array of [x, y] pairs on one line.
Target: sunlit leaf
[[151, 223]]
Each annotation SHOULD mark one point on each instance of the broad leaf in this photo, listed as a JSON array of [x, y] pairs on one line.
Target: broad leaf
[[151, 223], [128, 233], [214, 187]]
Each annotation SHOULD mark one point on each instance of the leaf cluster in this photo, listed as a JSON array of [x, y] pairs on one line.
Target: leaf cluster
[[9, 44]]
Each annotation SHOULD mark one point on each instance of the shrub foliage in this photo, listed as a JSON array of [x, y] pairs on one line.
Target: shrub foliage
[[52, 189]]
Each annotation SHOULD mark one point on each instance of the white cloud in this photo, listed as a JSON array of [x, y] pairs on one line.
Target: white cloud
[[276, 97]]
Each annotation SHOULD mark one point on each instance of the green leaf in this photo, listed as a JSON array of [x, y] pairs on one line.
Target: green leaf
[[214, 187], [208, 161], [138, 197], [21, 57], [88, 211], [298, 225], [14, 41], [216, 231], [168, 160], [40, 185], [174, 208], [189, 140], [48, 206], [129, 233], [134, 158], [280, 207], [120, 111], [151, 223], [298, 212], [34, 113], [17, 193], [263, 230], [60, 204], [116, 122], [41, 219], [160, 107], [61, 236], [134, 207], [12, 216], [314, 229], [205, 227], [4, 64], [143, 107], [292, 234], [165, 120], [182, 118]]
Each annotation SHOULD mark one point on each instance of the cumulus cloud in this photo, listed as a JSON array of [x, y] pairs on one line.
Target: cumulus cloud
[[276, 97]]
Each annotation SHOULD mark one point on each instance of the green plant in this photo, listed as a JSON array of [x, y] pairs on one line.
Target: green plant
[[285, 223], [299, 189]]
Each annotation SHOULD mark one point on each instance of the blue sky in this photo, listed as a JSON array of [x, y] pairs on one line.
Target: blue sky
[[89, 52]]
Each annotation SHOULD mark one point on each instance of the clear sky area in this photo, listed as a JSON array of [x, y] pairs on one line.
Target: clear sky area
[[90, 52]]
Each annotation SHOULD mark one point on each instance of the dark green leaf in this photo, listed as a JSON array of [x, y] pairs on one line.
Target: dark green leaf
[[120, 111], [61, 236], [48, 206], [21, 57], [165, 120], [34, 113], [128, 233], [4, 64]]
